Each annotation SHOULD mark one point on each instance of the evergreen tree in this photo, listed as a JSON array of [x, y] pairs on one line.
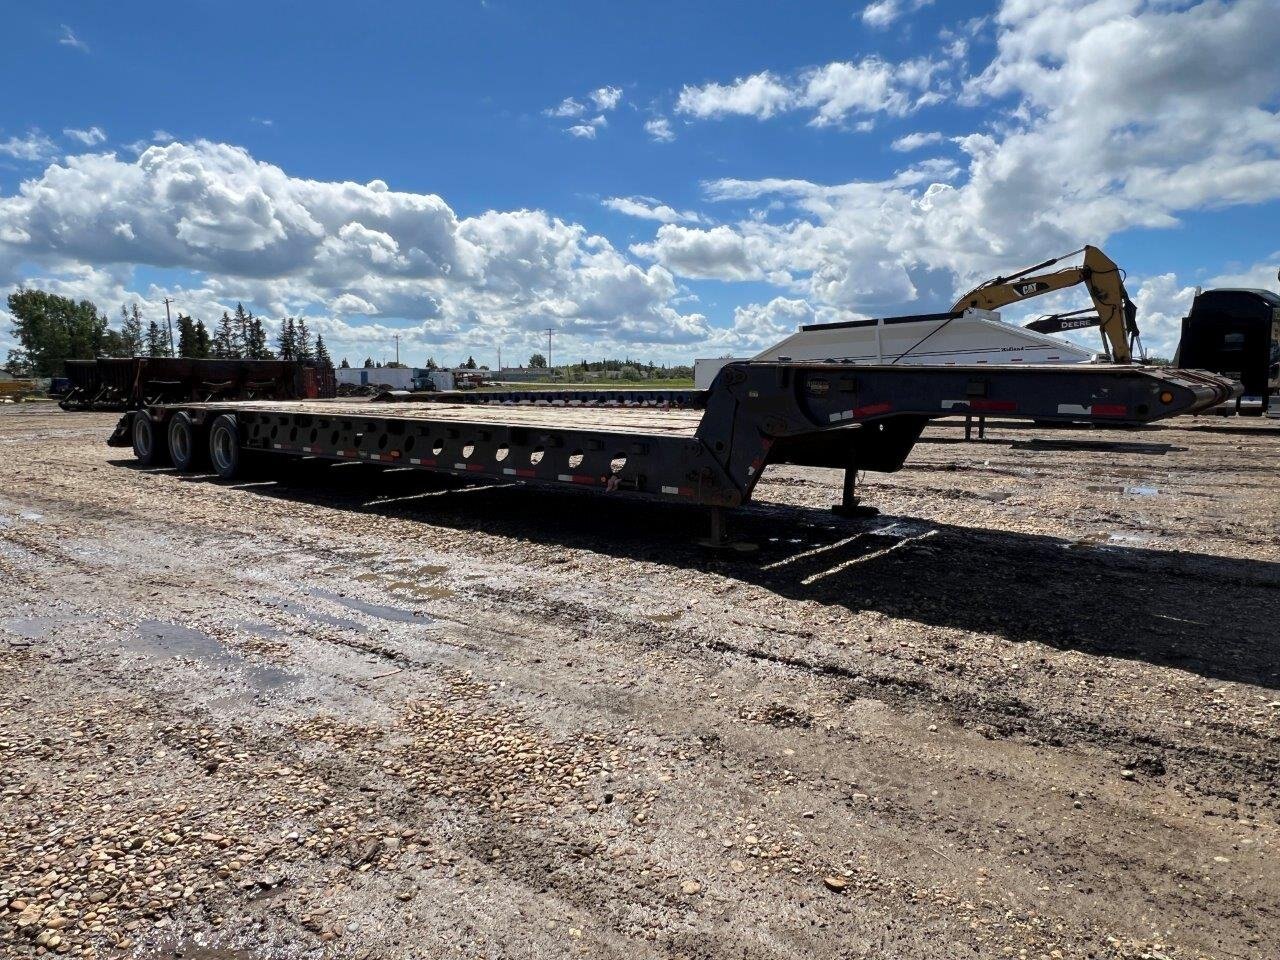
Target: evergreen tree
[[368, 362], [302, 341], [344, 365], [130, 331], [288, 339], [186, 337], [256, 346], [226, 345], [203, 344], [242, 322], [322, 354], [470, 364], [157, 345]]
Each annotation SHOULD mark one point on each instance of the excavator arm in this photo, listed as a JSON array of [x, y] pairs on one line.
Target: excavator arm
[[1116, 314]]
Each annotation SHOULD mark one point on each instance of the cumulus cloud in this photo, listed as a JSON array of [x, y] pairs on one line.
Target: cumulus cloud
[[588, 128], [647, 208], [602, 99], [90, 138], [914, 141], [1085, 152], [884, 12], [32, 147], [606, 98], [659, 129], [761, 95], [835, 92], [332, 251]]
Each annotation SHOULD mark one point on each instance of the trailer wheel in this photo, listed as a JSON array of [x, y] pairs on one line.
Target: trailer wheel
[[184, 442], [224, 447], [146, 446]]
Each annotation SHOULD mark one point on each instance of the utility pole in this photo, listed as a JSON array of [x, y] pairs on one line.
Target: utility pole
[[168, 322], [499, 359], [550, 330], [396, 337]]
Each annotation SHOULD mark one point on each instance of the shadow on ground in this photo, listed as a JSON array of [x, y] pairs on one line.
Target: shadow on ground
[[1211, 615]]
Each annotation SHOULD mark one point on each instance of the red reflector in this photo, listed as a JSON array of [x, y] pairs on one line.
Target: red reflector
[[1005, 406], [1109, 410], [872, 409]]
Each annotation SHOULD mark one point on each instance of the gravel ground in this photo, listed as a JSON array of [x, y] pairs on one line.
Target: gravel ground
[[1031, 710]]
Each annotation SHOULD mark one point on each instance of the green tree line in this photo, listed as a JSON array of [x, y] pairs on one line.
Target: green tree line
[[51, 329]]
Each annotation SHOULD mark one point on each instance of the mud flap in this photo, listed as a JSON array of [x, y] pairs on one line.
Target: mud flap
[[122, 436]]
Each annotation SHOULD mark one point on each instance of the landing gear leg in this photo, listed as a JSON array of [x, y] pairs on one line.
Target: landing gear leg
[[717, 540], [849, 505]]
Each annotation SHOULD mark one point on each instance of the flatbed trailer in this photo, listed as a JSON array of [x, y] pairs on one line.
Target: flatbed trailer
[[704, 447]]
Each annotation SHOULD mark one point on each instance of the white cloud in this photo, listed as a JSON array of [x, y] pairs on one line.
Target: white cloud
[[760, 95], [90, 138], [568, 107], [835, 92], [1084, 153], [659, 129], [588, 129], [34, 146], [914, 141], [1261, 275], [246, 230], [647, 208], [606, 98], [884, 12], [69, 39]]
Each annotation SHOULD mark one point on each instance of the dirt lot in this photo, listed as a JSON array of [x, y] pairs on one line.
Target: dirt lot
[[1032, 710]]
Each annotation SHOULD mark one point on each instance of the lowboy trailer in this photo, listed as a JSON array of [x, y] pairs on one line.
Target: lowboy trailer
[[693, 446]]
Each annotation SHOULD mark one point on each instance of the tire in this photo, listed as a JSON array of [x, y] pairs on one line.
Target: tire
[[225, 454], [185, 449], [148, 448]]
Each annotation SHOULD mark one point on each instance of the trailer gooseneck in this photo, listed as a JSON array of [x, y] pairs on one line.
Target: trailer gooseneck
[[705, 447]]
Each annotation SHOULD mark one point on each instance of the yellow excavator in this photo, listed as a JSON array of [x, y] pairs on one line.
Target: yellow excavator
[[1112, 309]]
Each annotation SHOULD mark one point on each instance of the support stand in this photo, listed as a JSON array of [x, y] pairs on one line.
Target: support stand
[[718, 541], [849, 505], [968, 427]]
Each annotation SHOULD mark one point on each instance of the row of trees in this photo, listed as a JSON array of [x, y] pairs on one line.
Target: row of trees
[[51, 330]]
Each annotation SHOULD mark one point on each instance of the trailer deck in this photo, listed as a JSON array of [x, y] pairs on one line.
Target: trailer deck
[[706, 447]]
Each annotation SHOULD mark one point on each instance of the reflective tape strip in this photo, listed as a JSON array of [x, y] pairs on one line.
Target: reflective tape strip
[[430, 462], [872, 409], [1073, 408], [576, 478], [988, 406], [459, 466], [1109, 410], [679, 491], [516, 472]]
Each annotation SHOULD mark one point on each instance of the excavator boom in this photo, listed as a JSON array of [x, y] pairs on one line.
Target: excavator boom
[[1116, 314]]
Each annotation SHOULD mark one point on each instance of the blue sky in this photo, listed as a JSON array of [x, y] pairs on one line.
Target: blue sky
[[665, 180]]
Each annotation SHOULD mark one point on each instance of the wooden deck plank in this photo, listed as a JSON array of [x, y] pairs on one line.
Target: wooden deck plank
[[632, 420]]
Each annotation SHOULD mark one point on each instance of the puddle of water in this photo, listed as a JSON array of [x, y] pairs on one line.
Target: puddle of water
[[1142, 491], [424, 591], [662, 617], [379, 610], [32, 628], [319, 616], [159, 639]]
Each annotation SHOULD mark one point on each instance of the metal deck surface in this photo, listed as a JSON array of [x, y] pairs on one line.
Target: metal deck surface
[[638, 420]]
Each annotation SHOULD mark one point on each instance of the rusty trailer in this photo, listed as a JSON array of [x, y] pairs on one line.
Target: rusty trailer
[[701, 447]]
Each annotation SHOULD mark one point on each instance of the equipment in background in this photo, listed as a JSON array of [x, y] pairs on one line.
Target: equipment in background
[[130, 383], [1236, 332], [1112, 309]]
